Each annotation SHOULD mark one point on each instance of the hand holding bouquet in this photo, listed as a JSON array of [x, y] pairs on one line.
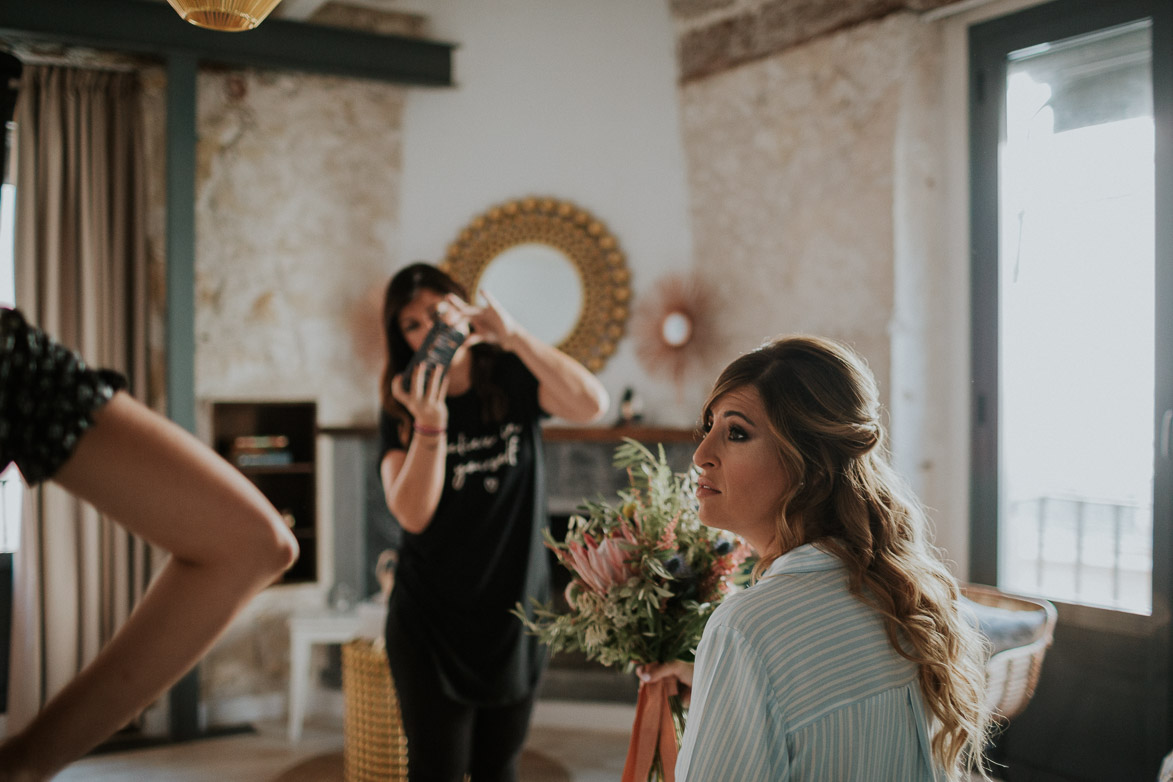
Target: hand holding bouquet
[[646, 576]]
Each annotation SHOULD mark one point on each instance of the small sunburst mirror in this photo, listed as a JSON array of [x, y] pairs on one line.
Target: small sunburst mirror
[[675, 328]]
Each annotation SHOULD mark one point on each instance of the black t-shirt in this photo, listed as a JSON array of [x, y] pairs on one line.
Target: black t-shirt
[[482, 553]]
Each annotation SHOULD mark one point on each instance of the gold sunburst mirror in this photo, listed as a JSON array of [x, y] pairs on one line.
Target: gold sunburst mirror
[[554, 267]]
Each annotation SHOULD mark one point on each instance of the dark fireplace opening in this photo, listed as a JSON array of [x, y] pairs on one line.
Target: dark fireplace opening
[[570, 675]]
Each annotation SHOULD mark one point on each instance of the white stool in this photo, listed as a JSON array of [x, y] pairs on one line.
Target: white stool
[[324, 627], [305, 630]]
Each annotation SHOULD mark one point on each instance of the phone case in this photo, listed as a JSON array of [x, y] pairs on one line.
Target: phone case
[[436, 351]]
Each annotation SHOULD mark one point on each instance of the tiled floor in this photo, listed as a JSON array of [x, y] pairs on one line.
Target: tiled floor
[[569, 742]]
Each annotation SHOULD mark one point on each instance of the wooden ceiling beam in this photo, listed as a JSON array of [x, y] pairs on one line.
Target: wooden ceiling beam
[[716, 35]]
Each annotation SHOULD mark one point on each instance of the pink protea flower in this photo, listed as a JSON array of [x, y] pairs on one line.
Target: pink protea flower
[[600, 566], [626, 533], [612, 555]]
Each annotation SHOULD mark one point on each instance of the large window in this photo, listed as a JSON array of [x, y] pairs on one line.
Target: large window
[[1076, 320], [1071, 177]]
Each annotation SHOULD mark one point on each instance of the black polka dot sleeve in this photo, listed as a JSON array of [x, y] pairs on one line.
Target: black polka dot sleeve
[[48, 397]]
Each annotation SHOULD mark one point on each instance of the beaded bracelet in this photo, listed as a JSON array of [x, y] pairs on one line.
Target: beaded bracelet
[[428, 431]]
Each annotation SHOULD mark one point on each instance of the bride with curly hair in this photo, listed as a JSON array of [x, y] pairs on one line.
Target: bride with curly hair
[[849, 658]]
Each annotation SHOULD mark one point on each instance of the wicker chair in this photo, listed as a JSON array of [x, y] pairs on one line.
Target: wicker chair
[[374, 748], [1012, 672]]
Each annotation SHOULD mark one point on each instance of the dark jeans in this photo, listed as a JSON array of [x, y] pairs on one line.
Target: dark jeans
[[447, 739]]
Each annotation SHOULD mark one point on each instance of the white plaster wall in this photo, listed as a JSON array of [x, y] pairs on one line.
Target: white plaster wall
[[571, 100]]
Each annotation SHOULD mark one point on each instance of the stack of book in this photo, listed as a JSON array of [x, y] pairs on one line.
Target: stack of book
[[261, 451]]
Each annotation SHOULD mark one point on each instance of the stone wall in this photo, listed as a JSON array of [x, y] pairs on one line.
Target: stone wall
[[823, 200], [792, 165], [296, 230], [297, 219]]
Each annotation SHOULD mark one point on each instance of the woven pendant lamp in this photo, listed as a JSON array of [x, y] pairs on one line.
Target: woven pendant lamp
[[230, 16]]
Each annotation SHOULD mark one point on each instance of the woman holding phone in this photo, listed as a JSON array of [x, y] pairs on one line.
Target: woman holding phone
[[461, 468]]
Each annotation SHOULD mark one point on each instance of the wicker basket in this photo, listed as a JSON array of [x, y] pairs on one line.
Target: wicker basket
[[374, 748], [1013, 674]]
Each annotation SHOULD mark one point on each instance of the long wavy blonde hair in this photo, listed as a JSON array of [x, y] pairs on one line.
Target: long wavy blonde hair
[[824, 411]]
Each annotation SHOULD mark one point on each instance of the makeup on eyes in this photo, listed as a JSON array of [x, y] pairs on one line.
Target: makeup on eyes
[[737, 424]]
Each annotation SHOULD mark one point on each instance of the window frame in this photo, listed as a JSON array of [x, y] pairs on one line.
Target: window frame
[[989, 42]]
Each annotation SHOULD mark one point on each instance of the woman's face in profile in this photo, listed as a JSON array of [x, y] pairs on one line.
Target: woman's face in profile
[[741, 474]]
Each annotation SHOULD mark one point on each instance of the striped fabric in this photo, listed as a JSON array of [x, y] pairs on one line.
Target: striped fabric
[[795, 680]]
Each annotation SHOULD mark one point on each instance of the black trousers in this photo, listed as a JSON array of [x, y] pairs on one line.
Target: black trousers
[[447, 739]]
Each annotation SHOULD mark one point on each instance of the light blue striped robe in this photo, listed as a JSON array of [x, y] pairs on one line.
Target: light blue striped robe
[[795, 679]]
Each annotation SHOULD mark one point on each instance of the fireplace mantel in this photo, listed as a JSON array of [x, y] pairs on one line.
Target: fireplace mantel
[[616, 434]]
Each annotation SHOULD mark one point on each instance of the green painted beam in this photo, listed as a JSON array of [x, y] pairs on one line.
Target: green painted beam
[[155, 28], [181, 209], [181, 402]]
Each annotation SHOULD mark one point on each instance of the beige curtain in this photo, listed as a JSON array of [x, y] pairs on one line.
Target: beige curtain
[[81, 276]]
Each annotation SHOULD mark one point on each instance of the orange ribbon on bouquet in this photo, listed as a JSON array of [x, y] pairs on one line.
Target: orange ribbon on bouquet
[[652, 729]]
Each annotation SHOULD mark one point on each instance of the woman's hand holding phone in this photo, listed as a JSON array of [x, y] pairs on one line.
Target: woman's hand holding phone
[[424, 397]]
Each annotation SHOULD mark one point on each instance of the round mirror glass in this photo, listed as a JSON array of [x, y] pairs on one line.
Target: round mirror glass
[[539, 286]]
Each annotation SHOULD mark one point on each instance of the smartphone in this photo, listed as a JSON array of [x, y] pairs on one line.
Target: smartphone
[[436, 351]]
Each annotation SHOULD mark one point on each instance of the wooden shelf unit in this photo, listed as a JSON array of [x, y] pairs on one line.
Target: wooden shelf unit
[[292, 487]]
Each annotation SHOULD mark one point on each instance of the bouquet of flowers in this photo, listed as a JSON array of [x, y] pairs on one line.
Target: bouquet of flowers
[[645, 577]]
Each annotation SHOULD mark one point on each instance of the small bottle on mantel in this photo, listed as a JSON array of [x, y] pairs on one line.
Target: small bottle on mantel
[[630, 408]]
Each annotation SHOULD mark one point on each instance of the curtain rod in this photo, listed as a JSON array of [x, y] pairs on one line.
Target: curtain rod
[[80, 59]]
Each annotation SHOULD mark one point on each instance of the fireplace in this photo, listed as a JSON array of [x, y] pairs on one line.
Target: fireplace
[[578, 467]]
